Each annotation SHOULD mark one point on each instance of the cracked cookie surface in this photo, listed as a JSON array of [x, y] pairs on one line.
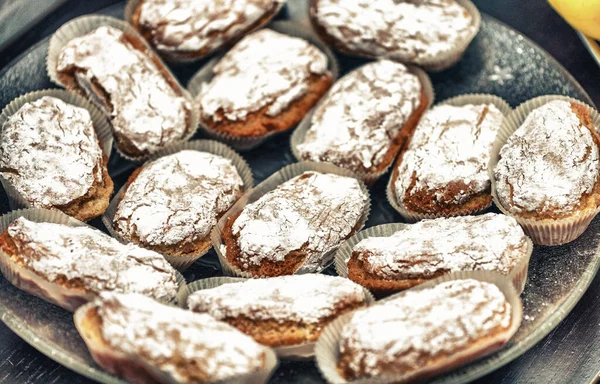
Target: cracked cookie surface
[[174, 202], [445, 163], [295, 224], [359, 121], [199, 26], [419, 328], [414, 31], [189, 347], [277, 79], [85, 258], [549, 166], [146, 109], [50, 153], [431, 248]]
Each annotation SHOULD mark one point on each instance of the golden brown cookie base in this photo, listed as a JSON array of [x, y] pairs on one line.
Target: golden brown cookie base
[[185, 56], [426, 201], [589, 201], [267, 268], [288, 266], [259, 123], [67, 77], [394, 368], [380, 287], [275, 333], [95, 202]]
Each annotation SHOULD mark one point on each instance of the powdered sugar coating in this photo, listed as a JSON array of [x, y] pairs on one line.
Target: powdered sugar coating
[[176, 341], [50, 153], [144, 108], [266, 69], [415, 31], [178, 198], [194, 25], [309, 298], [411, 330], [89, 256], [548, 163], [425, 249], [314, 212], [450, 144], [357, 122]]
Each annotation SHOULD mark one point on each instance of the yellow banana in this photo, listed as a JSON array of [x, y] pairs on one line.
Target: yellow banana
[[583, 15]]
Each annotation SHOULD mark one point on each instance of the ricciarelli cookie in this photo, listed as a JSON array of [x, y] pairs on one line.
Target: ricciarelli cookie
[[187, 30]]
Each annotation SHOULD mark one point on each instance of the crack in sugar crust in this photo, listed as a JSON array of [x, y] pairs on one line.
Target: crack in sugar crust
[[408, 332], [144, 107], [87, 255], [194, 25], [50, 153], [407, 30], [313, 212], [266, 69], [487, 242], [309, 298], [362, 115], [548, 163], [178, 198], [450, 144], [185, 344]]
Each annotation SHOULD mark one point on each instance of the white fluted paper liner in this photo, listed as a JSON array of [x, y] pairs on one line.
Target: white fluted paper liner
[[541, 231], [99, 120], [443, 60], [327, 348], [83, 25], [180, 56], [34, 284], [284, 174], [134, 369], [369, 178], [181, 263], [205, 75], [518, 273], [293, 352], [457, 101]]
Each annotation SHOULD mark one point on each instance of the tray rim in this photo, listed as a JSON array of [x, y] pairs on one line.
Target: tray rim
[[95, 373]]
